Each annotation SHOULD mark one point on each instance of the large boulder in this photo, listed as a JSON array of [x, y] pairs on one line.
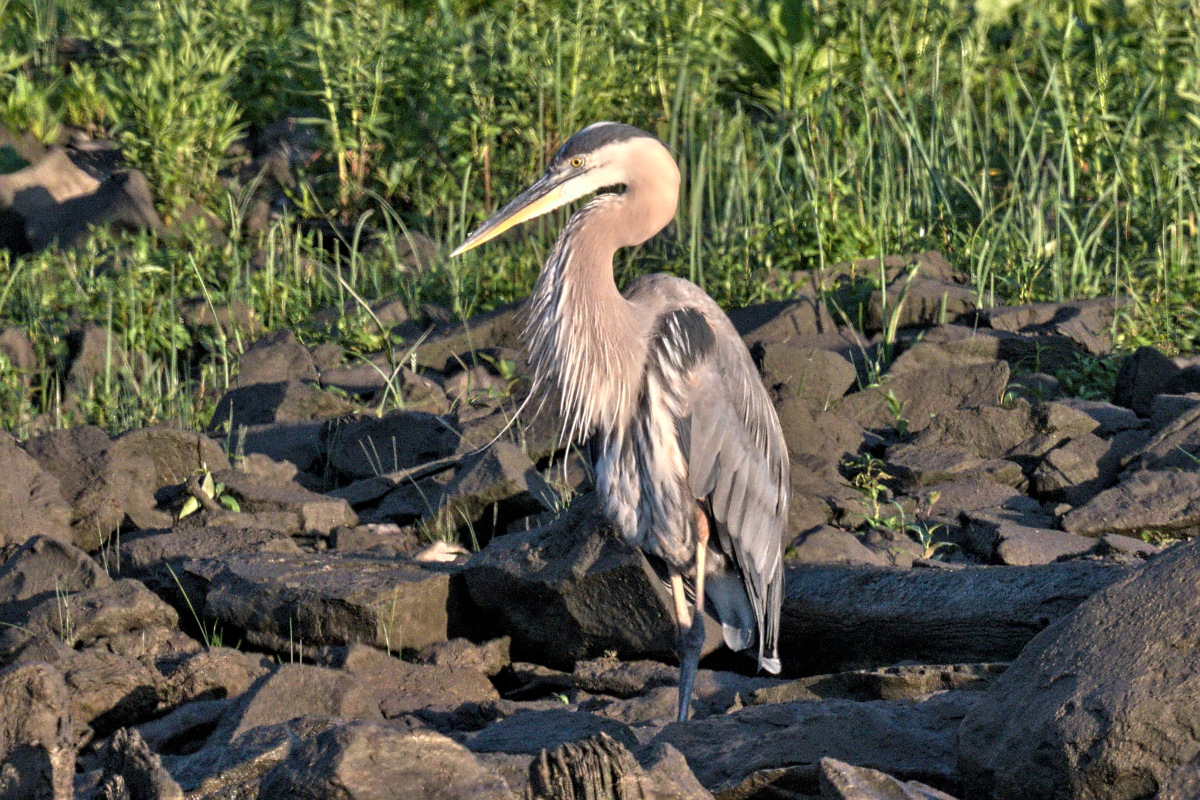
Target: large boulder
[[1101, 705], [574, 589], [31, 498]]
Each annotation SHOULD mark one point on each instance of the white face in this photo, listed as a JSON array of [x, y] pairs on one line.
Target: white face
[[570, 177]]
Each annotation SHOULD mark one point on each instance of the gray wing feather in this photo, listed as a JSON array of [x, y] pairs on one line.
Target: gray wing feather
[[738, 462]]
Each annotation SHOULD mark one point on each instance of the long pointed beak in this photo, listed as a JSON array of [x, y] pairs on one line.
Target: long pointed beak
[[542, 197]]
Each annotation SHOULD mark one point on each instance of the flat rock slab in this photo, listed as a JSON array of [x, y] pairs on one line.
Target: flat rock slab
[[369, 760], [283, 600], [889, 683], [840, 618], [1102, 704], [1146, 500], [31, 498], [906, 738]]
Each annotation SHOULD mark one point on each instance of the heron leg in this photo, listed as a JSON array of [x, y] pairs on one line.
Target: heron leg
[[691, 623]]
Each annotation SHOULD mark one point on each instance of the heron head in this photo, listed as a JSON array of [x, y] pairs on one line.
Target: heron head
[[602, 154]]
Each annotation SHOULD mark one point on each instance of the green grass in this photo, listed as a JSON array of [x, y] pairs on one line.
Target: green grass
[[1050, 154]]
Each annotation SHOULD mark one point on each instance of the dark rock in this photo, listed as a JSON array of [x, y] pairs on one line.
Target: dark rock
[[499, 328], [1099, 705], [917, 465], [123, 201], [140, 772], [52, 179], [234, 319], [533, 731], [275, 358], [106, 481], [985, 431], [366, 446], [109, 691], [38, 736], [184, 729], [380, 539], [1041, 354], [1128, 545], [919, 301], [1165, 408], [1186, 381], [927, 616], [233, 769], [213, 673], [1111, 418], [18, 350], [910, 739], [1036, 387], [488, 658], [31, 498], [313, 513], [43, 566], [944, 502], [842, 781], [782, 321], [1175, 446], [826, 544], [601, 768], [573, 590], [281, 600], [1021, 539], [1145, 500], [295, 690], [1084, 466], [1086, 322], [400, 687], [1144, 373], [82, 618], [887, 683], [815, 375], [95, 353], [286, 401], [302, 444], [365, 760], [501, 473], [903, 400]]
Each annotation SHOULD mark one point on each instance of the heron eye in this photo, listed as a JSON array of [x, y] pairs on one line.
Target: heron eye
[[576, 162]]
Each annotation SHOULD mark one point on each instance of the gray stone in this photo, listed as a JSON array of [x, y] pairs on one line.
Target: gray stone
[[501, 473], [886, 683], [38, 735], [362, 760], [128, 758], [31, 498], [816, 376], [295, 690], [43, 566], [1175, 446], [488, 658], [985, 431], [1084, 466], [1146, 500], [274, 358], [826, 544], [281, 401], [925, 615], [1144, 373], [302, 444], [918, 465], [282, 601], [904, 400], [1099, 705], [1111, 418], [573, 590], [531, 732], [82, 618], [313, 513], [1164, 408], [909, 739], [366, 446], [123, 201], [110, 691], [215, 672], [782, 321], [842, 781]]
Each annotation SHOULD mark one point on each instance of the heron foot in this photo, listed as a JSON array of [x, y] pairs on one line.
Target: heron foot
[[689, 645]]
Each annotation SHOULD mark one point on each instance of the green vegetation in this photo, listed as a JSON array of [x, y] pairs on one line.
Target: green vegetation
[[1050, 150]]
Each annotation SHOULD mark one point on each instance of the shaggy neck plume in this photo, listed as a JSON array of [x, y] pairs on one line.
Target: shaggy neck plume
[[581, 329]]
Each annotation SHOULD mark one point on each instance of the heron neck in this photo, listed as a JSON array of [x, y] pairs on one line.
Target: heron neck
[[583, 335]]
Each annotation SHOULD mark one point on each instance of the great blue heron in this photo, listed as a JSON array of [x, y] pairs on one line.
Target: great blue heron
[[688, 439]]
